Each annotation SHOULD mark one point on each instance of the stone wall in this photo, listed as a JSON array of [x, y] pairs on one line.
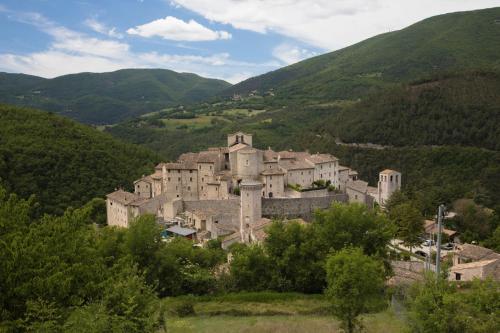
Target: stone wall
[[298, 207], [230, 207]]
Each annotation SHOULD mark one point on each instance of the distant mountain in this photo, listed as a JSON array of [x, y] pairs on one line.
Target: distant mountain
[[62, 162], [441, 43], [106, 98]]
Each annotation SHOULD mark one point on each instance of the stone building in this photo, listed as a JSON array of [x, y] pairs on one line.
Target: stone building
[[473, 261], [222, 190]]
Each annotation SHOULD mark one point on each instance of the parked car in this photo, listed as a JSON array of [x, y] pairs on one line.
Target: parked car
[[428, 242], [421, 253], [447, 246]]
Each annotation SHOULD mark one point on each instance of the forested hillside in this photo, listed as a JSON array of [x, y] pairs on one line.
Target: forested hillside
[[105, 98], [62, 162], [455, 109], [440, 43]]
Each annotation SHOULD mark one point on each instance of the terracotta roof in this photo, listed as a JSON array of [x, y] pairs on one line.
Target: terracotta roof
[[219, 149], [249, 150], [272, 171], [261, 223], [432, 228], [372, 190], [321, 158], [237, 147], [146, 179], [139, 202], [270, 156], [473, 264], [159, 165], [208, 157], [352, 172], [181, 166], [387, 171], [476, 253], [232, 236], [293, 154], [156, 176], [123, 197], [342, 168], [258, 229], [358, 185], [295, 164]]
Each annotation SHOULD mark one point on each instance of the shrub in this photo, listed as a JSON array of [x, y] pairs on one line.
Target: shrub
[[184, 308]]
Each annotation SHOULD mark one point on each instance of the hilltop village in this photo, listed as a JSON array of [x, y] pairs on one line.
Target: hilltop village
[[234, 191]]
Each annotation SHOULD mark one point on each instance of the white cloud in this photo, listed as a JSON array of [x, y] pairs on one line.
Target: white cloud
[[74, 52], [328, 24], [102, 28], [173, 28], [290, 54]]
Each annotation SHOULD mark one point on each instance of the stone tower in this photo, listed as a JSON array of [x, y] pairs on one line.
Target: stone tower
[[251, 206], [389, 182]]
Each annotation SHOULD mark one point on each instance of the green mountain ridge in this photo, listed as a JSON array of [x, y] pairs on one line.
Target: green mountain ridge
[[440, 43], [453, 109], [105, 98], [61, 162]]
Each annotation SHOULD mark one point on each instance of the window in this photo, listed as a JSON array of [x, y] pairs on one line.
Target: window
[[246, 162], [458, 276], [189, 188], [168, 178], [190, 171], [356, 196], [397, 176], [210, 167], [321, 167], [202, 179], [138, 186], [270, 185], [202, 188], [190, 179], [391, 178], [179, 179], [178, 171], [200, 167], [302, 173]]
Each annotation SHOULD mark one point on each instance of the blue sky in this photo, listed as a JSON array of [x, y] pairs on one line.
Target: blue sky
[[227, 39]]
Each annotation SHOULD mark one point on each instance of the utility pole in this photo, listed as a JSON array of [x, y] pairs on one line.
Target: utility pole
[[438, 244]]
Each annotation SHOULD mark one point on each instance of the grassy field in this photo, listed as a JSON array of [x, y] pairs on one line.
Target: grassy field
[[268, 312], [242, 112], [193, 123]]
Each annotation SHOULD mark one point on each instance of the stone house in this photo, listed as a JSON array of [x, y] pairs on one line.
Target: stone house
[[473, 261]]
